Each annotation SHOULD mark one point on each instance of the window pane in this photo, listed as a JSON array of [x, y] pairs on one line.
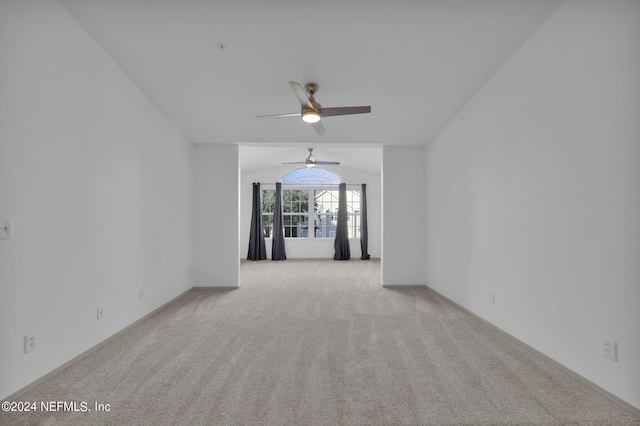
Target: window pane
[[267, 224], [314, 176], [296, 225], [325, 226], [295, 200], [268, 206], [268, 200], [354, 226], [326, 206]]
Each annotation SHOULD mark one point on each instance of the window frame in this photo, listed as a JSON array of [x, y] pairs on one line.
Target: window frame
[[353, 218]]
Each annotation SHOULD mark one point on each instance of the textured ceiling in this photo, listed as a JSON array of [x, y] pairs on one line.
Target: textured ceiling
[[417, 63]]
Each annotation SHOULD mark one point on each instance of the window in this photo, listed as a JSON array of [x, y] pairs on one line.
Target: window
[[295, 212], [296, 205], [316, 196], [326, 208], [268, 206]]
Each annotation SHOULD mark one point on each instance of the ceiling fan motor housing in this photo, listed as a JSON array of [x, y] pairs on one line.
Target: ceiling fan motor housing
[[311, 88], [311, 159]]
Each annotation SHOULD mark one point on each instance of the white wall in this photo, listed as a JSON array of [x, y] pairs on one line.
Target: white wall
[[305, 248], [99, 186], [533, 192], [217, 174], [403, 215]]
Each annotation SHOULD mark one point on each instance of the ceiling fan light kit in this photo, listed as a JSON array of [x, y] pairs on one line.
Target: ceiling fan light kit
[[310, 116], [311, 111]]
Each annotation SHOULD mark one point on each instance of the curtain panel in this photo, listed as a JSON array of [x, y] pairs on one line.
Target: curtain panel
[[364, 231], [341, 244], [257, 248], [277, 243]]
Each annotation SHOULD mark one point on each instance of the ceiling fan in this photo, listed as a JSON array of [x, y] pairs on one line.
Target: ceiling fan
[[311, 111], [311, 160]]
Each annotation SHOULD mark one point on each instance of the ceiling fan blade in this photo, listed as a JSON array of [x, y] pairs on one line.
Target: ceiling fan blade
[[292, 114], [319, 128], [301, 94], [294, 162], [335, 163], [329, 112]]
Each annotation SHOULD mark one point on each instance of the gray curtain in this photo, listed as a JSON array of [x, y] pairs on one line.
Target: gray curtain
[[341, 244], [277, 243], [364, 232], [257, 248]]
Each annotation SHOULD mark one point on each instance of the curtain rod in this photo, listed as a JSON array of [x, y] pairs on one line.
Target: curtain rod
[[352, 185]]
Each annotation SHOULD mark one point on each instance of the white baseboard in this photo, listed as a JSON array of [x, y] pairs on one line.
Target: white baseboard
[[15, 396], [616, 399], [215, 287], [403, 285]]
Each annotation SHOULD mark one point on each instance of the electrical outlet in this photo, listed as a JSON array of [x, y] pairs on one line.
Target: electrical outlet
[[6, 228], [610, 349], [100, 311], [492, 297], [29, 343], [141, 293]]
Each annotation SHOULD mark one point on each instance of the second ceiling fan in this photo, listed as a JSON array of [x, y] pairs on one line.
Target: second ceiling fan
[[311, 161], [311, 111]]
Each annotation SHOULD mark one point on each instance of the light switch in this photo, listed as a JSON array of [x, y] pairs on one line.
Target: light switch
[[6, 228]]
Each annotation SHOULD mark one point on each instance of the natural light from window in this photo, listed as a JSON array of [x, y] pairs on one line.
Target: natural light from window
[[313, 176], [315, 197]]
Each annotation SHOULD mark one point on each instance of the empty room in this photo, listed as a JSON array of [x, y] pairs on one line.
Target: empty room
[[305, 212]]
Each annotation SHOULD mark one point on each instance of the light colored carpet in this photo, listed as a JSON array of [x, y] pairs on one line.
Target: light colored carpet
[[294, 347]]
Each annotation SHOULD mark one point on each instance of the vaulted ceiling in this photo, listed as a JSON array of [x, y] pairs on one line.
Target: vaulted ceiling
[[417, 63]]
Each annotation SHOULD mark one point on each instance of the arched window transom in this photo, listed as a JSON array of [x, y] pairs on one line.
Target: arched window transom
[[310, 176]]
